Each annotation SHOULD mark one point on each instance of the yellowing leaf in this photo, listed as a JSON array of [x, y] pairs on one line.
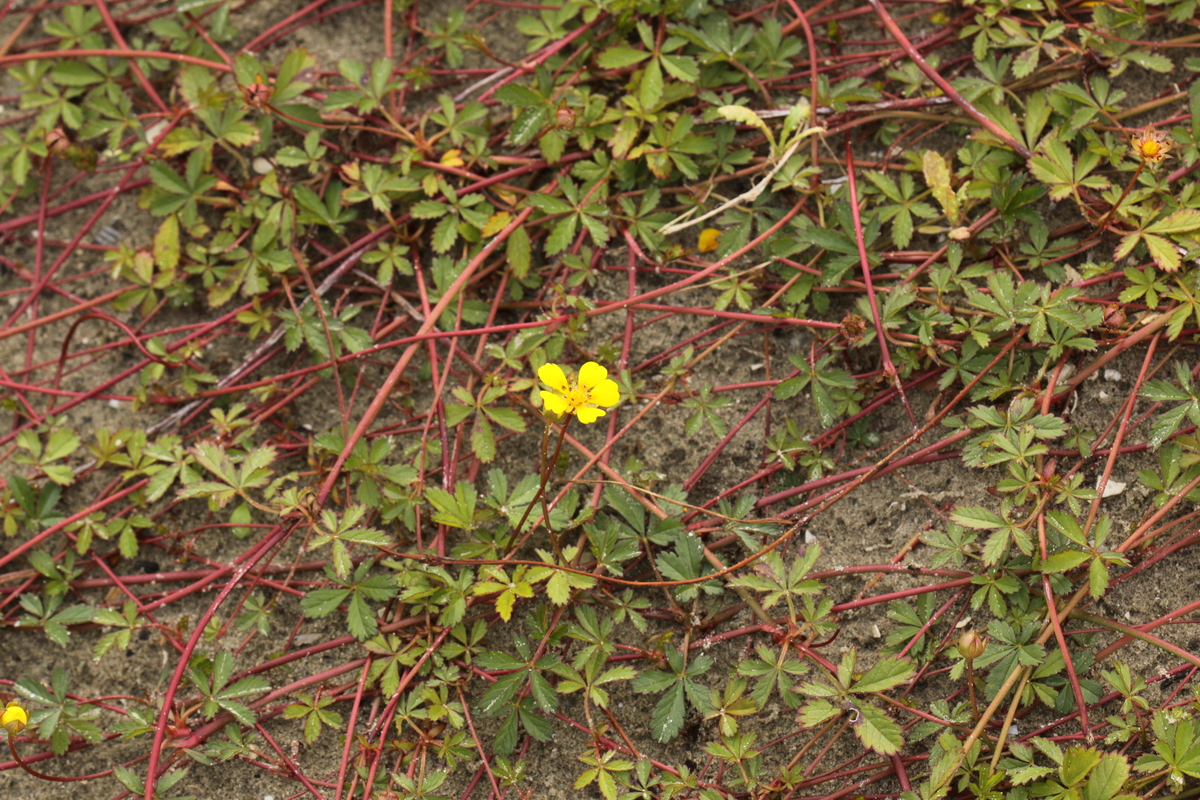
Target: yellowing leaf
[[1128, 242], [937, 175], [496, 223], [504, 605], [452, 158], [1163, 251], [744, 116], [166, 244], [1186, 219]]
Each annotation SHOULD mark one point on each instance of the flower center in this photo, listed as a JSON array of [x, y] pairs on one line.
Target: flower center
[[1150, 148], [577, 397]]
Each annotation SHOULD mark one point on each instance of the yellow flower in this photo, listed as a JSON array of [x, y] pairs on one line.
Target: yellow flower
[[1151, 145], [709, 239], [15, 718], [580, 397]]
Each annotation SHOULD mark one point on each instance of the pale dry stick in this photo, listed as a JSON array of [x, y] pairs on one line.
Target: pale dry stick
[[749, 196], [175, 418], [482, 82]]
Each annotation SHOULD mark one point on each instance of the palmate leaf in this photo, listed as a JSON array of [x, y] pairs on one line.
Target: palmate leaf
[[777, 581]]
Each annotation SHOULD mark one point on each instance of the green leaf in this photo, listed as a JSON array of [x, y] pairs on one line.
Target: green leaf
[[549, 204], [1064, 561], [878, 731], [1107, 778], [977, 517], [667, 719], [520, 96], [519, 252], [817, 711], [528, 124], [429, 209], [74, 73], [1077, 763], [322, 602], [619, 57], [887, 673]]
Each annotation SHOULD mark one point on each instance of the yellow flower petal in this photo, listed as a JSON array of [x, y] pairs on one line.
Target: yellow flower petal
[[709, 239], [554, 403], [588, 415], [591, 374], [553, 376], [15, 718], [605, 394]]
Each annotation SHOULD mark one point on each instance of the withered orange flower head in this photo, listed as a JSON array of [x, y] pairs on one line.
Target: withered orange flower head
[[1151, 145]]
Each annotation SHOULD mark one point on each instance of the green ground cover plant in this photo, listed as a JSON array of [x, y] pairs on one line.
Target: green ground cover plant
[[627, 398]]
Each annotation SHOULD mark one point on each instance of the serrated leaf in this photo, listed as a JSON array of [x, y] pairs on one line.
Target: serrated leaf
[[512, 94], [878, 731], [1097, 578], [562, 235], [937, 175], [241, 713], [667, 719], [620, 57], [519, 252], [650, 89], [888, 672], [1064, 561], [1187, 219], [429, 209], [166, 244], [1126, 245], [817, 711], [528, 124], [322, 602], [1163, 251], [1077, 763], [745, 116], [977, 518]]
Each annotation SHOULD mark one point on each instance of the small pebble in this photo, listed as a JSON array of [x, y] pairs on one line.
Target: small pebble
[[1014, 731], [1112, 375]]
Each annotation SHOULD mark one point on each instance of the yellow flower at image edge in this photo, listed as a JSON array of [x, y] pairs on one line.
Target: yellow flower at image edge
[[15, 717], [580, 397]]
